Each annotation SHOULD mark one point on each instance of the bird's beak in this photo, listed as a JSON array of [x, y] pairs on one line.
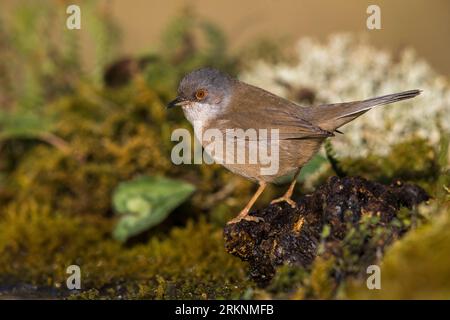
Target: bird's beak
[[177, 102]]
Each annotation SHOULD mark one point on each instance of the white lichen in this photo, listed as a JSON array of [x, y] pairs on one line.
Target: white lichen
[[347, 68]]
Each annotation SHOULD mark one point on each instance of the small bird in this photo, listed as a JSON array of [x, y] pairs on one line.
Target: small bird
[[211, 99]]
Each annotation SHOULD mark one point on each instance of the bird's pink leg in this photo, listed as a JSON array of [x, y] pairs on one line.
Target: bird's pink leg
[[243, 215], [287, 196]]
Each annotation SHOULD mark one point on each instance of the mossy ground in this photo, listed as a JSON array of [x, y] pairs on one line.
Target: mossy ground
[[189, 262], [185, 257]]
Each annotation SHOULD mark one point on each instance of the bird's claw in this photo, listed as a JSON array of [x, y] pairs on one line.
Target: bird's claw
[[245, 217], [285, 199]]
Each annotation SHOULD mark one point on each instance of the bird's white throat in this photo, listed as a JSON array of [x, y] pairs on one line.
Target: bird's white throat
[[199, 114]]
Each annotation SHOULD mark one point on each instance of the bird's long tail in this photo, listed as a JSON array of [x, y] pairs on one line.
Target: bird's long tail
[[332, 116]]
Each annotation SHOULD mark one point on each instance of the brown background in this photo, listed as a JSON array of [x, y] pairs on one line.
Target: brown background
[[422, 24]]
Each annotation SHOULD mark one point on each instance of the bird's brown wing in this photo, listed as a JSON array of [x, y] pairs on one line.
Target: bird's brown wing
[[255, 108]]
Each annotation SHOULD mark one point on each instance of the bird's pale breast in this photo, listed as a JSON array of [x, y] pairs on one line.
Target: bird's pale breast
[[285, 156]]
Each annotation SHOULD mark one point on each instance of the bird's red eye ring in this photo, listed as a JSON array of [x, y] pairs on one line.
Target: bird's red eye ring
[[200, 94]]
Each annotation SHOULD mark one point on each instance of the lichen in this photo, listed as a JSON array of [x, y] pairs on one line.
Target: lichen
[[347, 67]]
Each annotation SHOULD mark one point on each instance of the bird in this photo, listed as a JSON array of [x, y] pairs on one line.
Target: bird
[[212, 99]]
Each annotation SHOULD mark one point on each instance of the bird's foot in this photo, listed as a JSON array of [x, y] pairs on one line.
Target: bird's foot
[[245, 217], [285, 199]]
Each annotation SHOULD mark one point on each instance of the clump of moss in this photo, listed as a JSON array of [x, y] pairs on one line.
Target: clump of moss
[[417, 267], [402, 163], [36, 247], [106, 148], [299, 283], [37, 244]]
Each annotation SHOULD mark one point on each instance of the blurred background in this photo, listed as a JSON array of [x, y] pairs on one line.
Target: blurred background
[[404, 23], [85, 144]]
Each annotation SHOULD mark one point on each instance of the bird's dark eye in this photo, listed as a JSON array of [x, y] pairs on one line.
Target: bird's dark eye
[[200, 94]]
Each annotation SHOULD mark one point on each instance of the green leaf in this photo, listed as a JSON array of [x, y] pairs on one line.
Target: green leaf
[[145, 202]]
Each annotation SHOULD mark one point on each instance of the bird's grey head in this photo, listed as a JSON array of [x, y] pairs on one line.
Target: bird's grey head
[[203, 94]]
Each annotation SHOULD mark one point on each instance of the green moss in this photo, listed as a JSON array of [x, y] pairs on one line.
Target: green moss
[[288, 280], [322, 282], [411, 160], [36, 247], [416, 267]]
